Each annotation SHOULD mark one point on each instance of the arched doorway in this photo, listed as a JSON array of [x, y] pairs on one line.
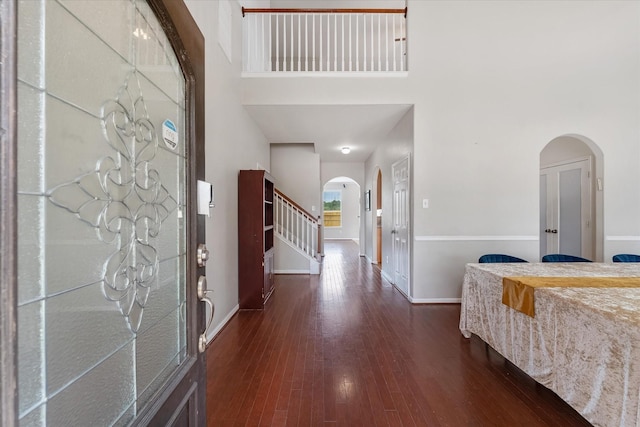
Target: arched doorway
[[341, 209], [571, 197]]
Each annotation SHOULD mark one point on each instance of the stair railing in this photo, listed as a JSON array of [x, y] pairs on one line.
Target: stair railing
[[294, 224]]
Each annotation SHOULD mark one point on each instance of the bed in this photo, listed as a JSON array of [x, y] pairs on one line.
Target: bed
[[583, 343]]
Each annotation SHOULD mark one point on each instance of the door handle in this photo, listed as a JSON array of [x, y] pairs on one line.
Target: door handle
[[202, 296], [554, 231], [393, 231]]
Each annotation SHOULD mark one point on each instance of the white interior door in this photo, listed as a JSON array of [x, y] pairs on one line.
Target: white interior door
[[565, 209], [401, 221]]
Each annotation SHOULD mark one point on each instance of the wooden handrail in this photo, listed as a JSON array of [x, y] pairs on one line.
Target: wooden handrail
[[300, 208], [264, 10]]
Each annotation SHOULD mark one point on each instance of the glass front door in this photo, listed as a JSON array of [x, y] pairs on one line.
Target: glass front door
[[103, 218]]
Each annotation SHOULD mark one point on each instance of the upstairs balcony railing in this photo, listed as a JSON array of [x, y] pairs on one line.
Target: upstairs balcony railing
[[325, 40]]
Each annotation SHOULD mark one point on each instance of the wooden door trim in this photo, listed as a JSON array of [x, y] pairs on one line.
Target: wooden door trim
[[8, 216]]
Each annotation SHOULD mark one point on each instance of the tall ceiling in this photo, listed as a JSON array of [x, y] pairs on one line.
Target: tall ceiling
[[330, 127]]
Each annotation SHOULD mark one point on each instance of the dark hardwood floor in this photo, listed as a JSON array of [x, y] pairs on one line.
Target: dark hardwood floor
[[347, 349]]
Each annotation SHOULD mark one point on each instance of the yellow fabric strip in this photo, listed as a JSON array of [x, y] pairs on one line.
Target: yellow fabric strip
[[517, 292]]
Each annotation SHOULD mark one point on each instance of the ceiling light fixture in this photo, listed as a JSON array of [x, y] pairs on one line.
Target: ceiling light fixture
[[346, 150]]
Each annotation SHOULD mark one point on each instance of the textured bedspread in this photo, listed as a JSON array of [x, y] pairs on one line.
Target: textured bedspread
[[583, 343]]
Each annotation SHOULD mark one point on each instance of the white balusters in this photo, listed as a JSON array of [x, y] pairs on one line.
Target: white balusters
[[364, 43], [357, 43], [371, 38], [330, 42], [291, 45], [328, 31], [313, 42], [335, 42], [295, 226], [342, 39], [299, 40], [395, 56], [350, 45], [403, 43], [379, 44]]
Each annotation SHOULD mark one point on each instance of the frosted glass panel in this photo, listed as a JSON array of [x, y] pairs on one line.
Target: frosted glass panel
[[125, 419], [30, 348], [165, 297], [570, 212], [36, 417], [72, 242], [161, 107], [31, 42], [101, 210], [154, 358], [98, 398], [111, 20], [72, 151], [153, 60], [75, 57], [30, 248], [30, 138], [79, 321]]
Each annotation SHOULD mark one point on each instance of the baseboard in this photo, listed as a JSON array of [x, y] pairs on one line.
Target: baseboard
[[435, 300], [291, 272], [474, 238], [212, 334], [385, 276], [622, 238], [403, 293]]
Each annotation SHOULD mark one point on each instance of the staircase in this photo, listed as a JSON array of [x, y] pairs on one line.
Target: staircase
[[297, 235]]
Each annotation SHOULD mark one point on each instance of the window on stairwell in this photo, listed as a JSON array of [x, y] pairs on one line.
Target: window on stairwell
[[332, 201]]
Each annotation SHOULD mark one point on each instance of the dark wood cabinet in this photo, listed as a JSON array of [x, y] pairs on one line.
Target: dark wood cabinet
[[255, 238]]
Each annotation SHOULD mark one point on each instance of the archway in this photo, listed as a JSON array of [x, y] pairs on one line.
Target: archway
[[571, 202], [341, 209]]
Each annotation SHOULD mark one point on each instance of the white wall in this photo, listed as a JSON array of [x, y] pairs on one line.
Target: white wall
[[504, 79], [233, 142], [351, 209], [296, 170]]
